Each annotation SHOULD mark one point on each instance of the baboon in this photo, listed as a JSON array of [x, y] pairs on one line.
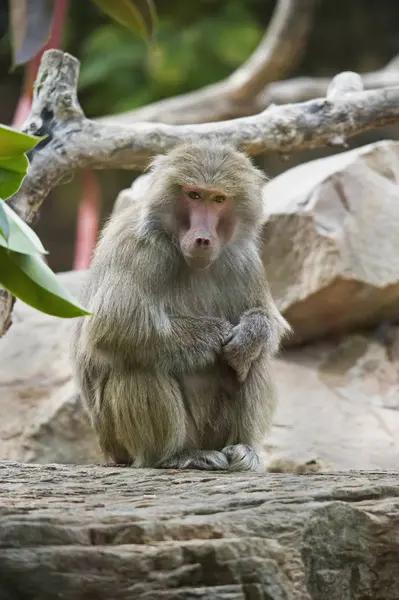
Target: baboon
[[174, 365]]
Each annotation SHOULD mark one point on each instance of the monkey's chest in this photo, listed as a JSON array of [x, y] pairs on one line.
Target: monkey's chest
[[207, 298]]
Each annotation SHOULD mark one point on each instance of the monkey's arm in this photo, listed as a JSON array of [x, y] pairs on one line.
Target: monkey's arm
[[260, 329], [130, 325]]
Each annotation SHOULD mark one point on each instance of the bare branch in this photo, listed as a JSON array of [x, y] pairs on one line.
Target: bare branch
[[279, 51], [300, 89], [6, 305], [188, 108], [76, 142]]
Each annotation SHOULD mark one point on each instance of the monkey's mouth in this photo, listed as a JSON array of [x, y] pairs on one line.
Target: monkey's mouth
[[199, 262]]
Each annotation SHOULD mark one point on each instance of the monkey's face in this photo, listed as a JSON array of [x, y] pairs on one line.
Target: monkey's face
[[206, 222]]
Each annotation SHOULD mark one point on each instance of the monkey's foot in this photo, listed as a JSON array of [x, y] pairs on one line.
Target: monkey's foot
[[242, 458], [206, 460]]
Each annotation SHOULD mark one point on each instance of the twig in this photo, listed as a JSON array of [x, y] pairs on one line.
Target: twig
[[300, 89]]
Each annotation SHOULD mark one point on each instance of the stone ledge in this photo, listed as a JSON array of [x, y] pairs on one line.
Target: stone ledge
[[117, 533]]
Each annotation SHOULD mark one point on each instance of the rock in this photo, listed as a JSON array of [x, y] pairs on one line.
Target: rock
[[41, 419], [339, 400], [98, 532], [339, 403], [331, 241]]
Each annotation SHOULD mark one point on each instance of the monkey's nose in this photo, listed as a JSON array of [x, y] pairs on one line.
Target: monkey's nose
[[202, 241]]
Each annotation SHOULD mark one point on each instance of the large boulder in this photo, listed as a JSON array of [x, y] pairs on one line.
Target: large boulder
[[41, 419], [331, 241], [122, 534], [339, 401]]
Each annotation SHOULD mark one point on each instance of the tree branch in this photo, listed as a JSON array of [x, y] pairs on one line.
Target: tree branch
[[219, 102], [75, 142], [300, 89], [279, 51], [6, 305]]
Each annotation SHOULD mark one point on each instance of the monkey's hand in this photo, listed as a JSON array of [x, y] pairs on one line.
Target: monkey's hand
[[215, 332], [246, 342], [195, 343]]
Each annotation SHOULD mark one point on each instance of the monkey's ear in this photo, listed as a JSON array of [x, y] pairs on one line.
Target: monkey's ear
[[156, 162]]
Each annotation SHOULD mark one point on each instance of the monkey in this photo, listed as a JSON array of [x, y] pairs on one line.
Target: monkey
[[174, 364]]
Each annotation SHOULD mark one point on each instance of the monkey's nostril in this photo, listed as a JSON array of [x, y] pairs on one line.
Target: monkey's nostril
[[202, 241]]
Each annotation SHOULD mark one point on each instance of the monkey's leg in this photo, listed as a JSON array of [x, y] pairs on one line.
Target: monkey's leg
[[199, 391], [252, 411], [92, 383], [143, 413]]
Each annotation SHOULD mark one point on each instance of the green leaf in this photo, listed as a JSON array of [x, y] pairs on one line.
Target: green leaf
[[30, 26], [12, 172], [14, 142], [32, 281], [21, 237], [4, 224], [136, 15]]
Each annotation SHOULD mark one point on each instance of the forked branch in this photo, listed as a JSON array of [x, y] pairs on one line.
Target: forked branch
[[75, 142]]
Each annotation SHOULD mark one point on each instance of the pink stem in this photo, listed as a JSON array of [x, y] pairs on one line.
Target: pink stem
[[88, 221]]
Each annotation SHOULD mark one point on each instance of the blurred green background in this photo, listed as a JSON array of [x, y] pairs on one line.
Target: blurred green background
[[197, 44]]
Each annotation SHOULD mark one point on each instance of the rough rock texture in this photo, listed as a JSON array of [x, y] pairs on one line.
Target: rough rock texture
[[108, 533], [339, 401], [41, 419], [331, 242]]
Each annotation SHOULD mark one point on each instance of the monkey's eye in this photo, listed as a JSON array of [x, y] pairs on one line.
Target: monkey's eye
[[193, 195], [219, 199]]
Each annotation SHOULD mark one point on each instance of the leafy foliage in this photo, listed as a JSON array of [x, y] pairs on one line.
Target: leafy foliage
[[4, 224], [137, 15], [119, 72], [22, 269], [13, 143], [21, 238], [29, 278]]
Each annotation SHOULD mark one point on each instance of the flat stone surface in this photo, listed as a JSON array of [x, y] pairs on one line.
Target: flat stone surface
[[106, 532]]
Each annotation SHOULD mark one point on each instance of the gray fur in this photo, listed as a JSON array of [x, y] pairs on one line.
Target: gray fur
[[174, 365]]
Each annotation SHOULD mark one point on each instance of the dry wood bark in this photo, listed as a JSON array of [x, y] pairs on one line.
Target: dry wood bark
[[256, 84], [108, 532], [300, 89], [75, 142], [191, 107]]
